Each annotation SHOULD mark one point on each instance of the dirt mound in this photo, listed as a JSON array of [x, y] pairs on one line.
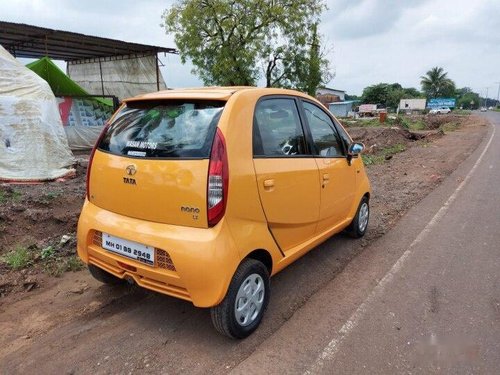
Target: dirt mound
[[31, 215], [383, 137]]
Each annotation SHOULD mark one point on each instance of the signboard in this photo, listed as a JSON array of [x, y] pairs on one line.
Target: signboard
[[441, 102], [83, 112]]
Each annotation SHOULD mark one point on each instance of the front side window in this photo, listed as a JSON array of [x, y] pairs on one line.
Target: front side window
[[325, 138], [277, 129], [163, 129]]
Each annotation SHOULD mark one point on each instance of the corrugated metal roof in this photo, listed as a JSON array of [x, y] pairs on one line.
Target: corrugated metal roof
[[23, 40]]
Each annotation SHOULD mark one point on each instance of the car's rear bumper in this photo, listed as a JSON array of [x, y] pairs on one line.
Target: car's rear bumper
[[194, 264]]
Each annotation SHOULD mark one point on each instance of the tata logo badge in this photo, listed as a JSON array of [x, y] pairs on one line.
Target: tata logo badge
[[131, 170]]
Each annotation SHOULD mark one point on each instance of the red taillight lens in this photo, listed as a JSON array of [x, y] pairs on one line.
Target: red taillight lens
[[99, 139], [218, 180]]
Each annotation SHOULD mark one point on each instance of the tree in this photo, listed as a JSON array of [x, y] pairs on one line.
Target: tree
[[237, 42], [388, 95], [467, 99], [436, 83]]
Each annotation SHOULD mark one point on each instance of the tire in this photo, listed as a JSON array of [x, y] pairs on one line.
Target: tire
[[251, 279], [359, 224], [103, 276]]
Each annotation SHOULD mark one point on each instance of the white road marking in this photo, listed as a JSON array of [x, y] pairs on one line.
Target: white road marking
[[329, 351]]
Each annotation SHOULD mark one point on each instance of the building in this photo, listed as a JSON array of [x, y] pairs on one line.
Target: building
[[411, 105], [330, 91], [341, 109]]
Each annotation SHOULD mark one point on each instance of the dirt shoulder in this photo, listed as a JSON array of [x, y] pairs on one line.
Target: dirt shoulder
[[37, 308]]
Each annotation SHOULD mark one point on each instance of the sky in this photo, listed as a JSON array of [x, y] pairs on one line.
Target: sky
[[367, 41]]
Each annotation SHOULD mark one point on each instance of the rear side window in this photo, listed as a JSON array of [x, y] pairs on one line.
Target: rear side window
[[325, 137], [277, 129], [163, 129]]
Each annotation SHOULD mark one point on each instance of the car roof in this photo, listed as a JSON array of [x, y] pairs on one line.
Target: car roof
[[210, 93]]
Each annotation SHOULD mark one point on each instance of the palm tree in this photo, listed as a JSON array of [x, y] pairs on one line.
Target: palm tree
[[435, 83]]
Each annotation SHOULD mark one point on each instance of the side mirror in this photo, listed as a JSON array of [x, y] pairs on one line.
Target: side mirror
[[354, 150]]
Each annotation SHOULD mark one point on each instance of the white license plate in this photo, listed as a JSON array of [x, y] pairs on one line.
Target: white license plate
[[130, 249]]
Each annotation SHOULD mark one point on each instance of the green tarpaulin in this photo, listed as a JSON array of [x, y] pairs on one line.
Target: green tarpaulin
[[60, 83]]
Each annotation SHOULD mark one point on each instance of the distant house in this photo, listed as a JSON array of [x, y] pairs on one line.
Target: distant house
[[411, 105], [341, 109], [330, 91]]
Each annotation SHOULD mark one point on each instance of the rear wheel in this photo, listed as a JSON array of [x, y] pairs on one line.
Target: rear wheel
[[103, 276], [359, 224], [241, 311]]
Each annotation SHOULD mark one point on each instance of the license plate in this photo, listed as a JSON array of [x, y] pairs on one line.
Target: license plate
[[130, 249]]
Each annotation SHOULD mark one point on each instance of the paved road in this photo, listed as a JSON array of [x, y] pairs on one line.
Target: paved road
[[435, 309]]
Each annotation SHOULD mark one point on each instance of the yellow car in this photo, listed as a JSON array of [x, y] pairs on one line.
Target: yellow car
[[203, 194]]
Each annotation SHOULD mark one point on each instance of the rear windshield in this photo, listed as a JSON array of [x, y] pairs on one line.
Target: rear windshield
[[163, 129]]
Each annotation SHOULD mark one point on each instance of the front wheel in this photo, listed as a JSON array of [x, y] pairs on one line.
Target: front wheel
[[241, 311], [359, 224]]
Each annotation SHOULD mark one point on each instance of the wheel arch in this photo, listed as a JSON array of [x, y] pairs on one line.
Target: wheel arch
[[262, 256]]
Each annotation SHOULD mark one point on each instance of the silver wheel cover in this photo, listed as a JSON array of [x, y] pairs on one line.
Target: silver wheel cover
[[363, 217], [249, 299]]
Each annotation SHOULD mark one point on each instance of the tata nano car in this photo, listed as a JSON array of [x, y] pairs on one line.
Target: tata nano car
[[203, 194]]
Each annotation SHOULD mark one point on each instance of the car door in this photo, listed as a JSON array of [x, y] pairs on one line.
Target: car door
[[287, 175], [337, 177]]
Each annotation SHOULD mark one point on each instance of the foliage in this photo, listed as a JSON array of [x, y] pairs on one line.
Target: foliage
[[436, 84], [229, 42], [56, 266], [467, 99], [388, 95], [47, 252], [383, 155], [352, 97], [410, 123], [18, 258], [13, 195]]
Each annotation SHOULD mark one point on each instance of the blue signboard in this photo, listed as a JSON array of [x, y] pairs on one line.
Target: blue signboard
[[441, 102]]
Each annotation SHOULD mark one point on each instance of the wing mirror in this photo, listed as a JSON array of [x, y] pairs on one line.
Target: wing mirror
[[354, 150]]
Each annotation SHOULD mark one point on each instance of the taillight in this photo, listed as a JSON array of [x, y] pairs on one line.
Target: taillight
[[99, 139], [218, 180]]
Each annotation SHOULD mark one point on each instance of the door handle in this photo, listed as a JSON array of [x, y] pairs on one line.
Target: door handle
[[326, 180], [269, 183]]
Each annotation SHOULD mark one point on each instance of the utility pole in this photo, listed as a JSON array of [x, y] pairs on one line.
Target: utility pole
[[486, 98]]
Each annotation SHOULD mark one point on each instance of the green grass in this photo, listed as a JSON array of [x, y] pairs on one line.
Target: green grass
[[380, 157], [52, 195], [461, 112], [410, 123], [18, 258], [15, 196], [449, 127], [57, 266]]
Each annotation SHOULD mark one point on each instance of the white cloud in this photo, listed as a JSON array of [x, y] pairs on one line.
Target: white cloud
[[373, 40]]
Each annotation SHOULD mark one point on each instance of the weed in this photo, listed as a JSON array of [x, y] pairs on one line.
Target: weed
[[381, 156], [56, 266], [73, 263], [449, 127], [51, 195], [13, 195], [16, 196], [18, 258], [46, 253]]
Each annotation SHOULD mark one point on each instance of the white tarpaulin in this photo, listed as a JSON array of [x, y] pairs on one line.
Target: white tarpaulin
[[33, 144], [121, 78]]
